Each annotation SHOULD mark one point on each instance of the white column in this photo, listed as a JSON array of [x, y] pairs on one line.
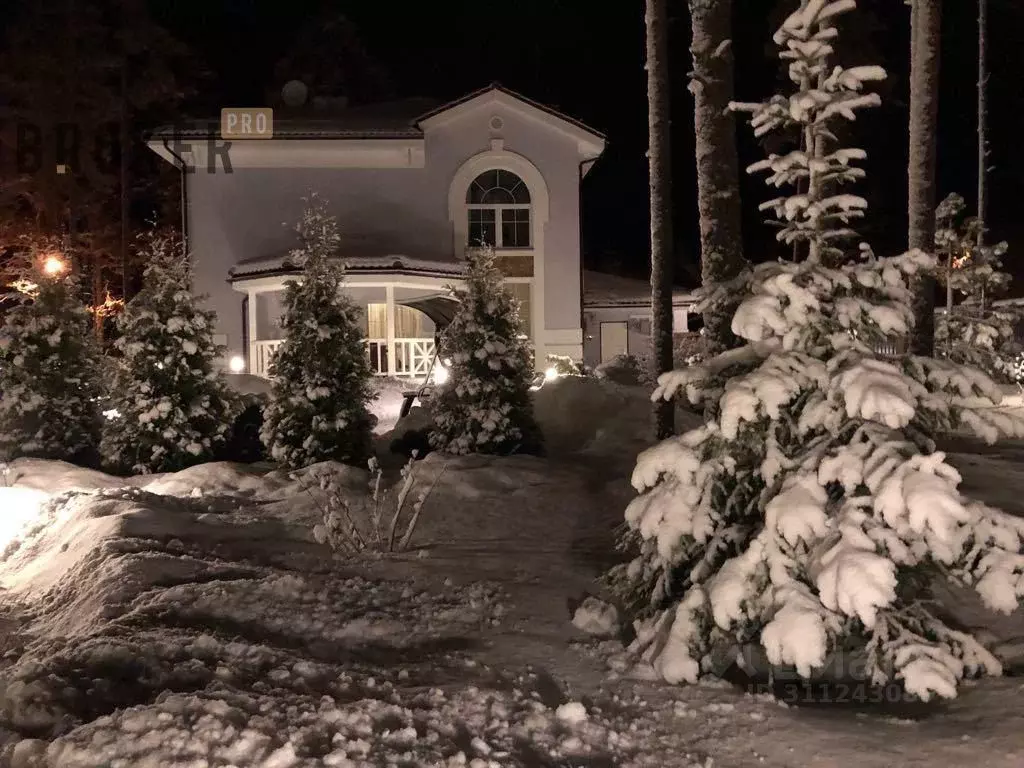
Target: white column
[[392, 321], [252, 331]]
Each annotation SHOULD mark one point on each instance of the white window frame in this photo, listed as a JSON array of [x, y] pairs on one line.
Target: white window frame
[[497, 209]]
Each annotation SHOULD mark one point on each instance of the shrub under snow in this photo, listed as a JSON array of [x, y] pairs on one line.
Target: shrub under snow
[[812, 510], [319, 410], [49, 369], [973, 331], [485, 406], [175, 408]]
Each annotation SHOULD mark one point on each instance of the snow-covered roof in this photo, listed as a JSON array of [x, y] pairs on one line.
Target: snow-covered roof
[[601, 289], [279, 264], [392, 119], [401, 119]]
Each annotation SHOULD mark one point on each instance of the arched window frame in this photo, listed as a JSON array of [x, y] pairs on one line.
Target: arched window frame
[[498, 157], [498, 211]]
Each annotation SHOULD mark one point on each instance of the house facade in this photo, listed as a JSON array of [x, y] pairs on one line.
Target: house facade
[[412, 189]]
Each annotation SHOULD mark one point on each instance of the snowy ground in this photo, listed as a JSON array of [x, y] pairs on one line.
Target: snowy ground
[[191, 620]]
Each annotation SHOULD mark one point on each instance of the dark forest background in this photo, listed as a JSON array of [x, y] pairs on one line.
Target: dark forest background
[[173, 59]]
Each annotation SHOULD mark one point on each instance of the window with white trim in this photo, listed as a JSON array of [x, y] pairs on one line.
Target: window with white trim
[[498, 211]]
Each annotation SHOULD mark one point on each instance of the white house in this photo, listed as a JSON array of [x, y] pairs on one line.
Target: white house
[[412, 187]]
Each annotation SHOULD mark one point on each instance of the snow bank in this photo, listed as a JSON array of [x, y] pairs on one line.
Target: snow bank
[[388, 404], [599, 418]]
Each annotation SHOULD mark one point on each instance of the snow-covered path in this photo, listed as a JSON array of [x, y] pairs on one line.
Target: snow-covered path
[[170, 629]]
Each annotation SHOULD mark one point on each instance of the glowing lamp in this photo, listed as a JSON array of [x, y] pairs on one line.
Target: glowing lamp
[[237, 364], [53, 265], [550, 374], [440, 374]]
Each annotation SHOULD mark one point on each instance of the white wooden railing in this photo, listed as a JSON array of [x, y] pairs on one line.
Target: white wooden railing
[[412, 356], [262, 352]]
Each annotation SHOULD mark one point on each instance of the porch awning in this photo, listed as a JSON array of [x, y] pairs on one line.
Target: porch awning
[[440, 308]]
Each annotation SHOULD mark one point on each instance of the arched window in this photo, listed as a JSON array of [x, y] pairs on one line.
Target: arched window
[[498, 204]]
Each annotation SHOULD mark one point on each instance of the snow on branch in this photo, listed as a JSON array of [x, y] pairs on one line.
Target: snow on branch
[[822, 94]]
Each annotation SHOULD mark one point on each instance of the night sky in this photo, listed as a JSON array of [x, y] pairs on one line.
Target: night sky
[[586, 59]]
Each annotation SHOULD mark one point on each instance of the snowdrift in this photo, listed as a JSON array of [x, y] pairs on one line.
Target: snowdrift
[[600, 419], [189, 617]]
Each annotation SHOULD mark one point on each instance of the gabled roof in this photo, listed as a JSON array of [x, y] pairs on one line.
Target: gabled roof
[[496, 90]]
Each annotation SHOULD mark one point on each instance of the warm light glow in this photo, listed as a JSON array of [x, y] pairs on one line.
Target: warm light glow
[[237, 364], [441, 374], [109, 307], [53, 265], [20, 507], [550, 374]]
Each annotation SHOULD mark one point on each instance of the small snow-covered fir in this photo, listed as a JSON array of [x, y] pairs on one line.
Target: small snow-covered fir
[[319, 408], [173, 403], [812, 510], [485, 407], [973, 331], [50, 367]]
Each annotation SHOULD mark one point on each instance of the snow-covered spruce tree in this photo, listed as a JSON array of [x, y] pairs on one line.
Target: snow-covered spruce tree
[[973, 331], [485, 406], [318, 410], [50, 368], [812, 512], [175, 407], [820, 215]]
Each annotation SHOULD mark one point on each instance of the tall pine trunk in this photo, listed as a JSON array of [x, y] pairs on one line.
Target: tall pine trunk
[[660, 163], [925, 32], [124, 141], [982, 118], [718, 177]]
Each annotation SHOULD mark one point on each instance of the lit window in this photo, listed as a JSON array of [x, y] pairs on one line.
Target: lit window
[[498, 204], [409, 323]]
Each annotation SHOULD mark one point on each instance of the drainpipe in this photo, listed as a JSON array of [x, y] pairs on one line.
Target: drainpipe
[[184, 194], [583, 167]]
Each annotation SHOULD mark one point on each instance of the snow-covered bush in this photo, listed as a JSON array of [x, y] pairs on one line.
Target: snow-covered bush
[[564, 365], [624, 369], [384, 526], [319, 409], [812, 510], [687, 349], [974, 331], [50, 368], [174, 404], [485, 405]]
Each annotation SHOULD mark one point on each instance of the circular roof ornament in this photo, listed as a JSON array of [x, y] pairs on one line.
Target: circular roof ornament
[[294, 93]]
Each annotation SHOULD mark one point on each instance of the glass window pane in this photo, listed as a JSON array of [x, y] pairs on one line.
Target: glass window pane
[[497, 188], [497, 196], [376, 321], [515, 228], [482, 228]]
